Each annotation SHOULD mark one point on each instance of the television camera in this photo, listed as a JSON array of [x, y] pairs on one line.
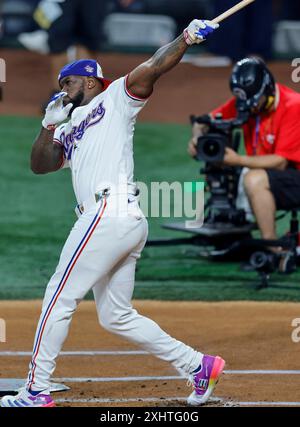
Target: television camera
[[226, 233], [222, 181]]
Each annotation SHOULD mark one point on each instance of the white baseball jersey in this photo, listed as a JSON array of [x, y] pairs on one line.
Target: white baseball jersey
[[98, 139]]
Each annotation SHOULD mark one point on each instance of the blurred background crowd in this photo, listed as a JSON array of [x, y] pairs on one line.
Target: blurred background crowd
[[75, 29], [266, 28]]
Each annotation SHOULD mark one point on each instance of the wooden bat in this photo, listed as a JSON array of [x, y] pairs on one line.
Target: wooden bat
[[231, 11]]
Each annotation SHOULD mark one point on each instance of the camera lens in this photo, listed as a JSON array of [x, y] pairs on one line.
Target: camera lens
[[211, 148], [264, 261], [259, 260]]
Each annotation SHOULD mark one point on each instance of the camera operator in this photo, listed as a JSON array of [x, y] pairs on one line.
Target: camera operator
[[270, 177]]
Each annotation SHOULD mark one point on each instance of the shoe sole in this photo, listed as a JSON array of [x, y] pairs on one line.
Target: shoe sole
[[216, 372], [49, 405]]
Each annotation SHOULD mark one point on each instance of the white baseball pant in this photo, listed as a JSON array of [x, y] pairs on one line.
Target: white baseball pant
[[242, 200], [100, 254]]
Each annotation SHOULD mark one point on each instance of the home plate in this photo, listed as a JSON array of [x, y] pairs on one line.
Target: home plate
[[12, 385]]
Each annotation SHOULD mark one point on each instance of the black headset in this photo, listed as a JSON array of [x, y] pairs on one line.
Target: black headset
[[249, 81]]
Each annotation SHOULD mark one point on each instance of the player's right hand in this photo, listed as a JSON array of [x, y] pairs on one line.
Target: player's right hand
[[56, 112], [197, 131], [192, 147]]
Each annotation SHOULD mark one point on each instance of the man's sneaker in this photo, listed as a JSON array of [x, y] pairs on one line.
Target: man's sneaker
[[25, 399], [205, 378]]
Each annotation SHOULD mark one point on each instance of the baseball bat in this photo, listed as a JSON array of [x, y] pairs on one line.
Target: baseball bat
[[232, 10]]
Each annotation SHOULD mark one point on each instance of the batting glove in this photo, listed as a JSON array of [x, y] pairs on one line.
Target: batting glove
[[56, 112], [198, 31]]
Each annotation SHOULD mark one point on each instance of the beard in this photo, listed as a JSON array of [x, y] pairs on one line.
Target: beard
[[76, 101]]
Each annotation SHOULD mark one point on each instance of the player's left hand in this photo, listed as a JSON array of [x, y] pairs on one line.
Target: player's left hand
[[198, 30], [231, 158]]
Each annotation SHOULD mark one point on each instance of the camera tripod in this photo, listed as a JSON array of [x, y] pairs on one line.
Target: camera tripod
[[228, 242]]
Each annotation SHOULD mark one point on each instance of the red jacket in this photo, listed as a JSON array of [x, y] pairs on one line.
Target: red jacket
[[275, 133]]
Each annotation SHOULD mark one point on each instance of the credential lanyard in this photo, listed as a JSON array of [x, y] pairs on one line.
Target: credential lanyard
[[256, 138]]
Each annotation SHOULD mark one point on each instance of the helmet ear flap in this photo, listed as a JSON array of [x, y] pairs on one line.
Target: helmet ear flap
[[270, 91]]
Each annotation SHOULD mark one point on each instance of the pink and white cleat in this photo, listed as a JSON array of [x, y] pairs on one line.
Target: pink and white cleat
[[205, 378], [24, 399]]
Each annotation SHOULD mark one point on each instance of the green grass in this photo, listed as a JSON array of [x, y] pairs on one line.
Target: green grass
[[180, 274], [37, 213]]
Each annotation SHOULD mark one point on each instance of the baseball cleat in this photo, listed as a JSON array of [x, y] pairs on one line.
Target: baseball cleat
[[204, 379], [25, 399]]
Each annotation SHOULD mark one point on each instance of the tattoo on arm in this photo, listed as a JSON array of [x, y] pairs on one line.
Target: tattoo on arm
[[168, 56], [142, 79]]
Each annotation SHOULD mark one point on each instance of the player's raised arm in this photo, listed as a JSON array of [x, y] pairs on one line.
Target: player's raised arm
[[141, 79], [46, 155]]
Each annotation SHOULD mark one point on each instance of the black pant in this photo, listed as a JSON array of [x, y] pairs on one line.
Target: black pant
[[80, 23], [249, 31], [285, 187]]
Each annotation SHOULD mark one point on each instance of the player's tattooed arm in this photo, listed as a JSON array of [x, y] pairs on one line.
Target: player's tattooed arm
[[141, 79], [46, 156]]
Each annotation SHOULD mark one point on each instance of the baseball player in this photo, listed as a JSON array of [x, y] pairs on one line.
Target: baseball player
[[107, 239]]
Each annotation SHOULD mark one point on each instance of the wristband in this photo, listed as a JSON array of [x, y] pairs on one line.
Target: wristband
[[51, 127], [187, 38]]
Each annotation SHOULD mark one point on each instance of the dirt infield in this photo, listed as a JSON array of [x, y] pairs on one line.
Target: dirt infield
[[185, 90], [250, 336]]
